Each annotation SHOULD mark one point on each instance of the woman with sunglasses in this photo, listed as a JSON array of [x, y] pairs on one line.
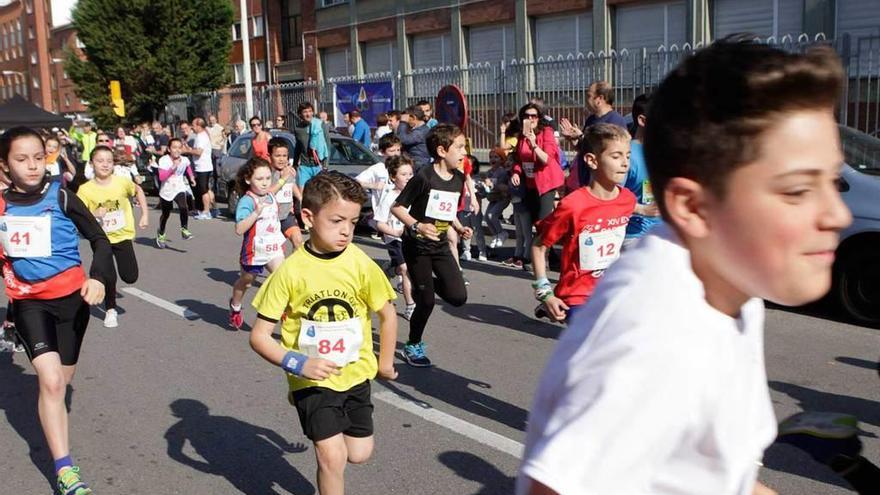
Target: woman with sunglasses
[[260, 143], [536, 162]]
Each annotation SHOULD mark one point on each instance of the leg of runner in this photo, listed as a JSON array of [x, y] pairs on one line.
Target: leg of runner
[[181, 200], [127, 268], [167, 206], [238, 289]]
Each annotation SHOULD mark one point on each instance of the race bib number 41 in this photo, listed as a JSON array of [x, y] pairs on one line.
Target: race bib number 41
[[597, 250], [442, 205], [26, 237]]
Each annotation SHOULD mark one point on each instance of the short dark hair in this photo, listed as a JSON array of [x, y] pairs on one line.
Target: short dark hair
[[605, 90], [395, 162], [278, 142], [597, 136], [416, 112], [381, 119], [387, 141], [173, 140], [423, 103], [640, 106], [14, 134], [327, 186], [708, 113], [303, 106], [354, 113], [252, 119], [441, 135], [98, 148], [394, 113]]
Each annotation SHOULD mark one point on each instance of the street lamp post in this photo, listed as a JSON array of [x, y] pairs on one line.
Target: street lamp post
[[246, 50]]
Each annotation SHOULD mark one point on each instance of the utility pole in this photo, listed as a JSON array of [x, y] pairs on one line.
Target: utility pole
[[246, 50]]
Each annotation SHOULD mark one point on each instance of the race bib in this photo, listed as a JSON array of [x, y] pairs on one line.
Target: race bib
[[442, 205], [597, 250], [285, 194], [337, 341], [529, 169], [176, 181], [647, 192], [26, 237], [53, 169], [268, 248], [113, 221]]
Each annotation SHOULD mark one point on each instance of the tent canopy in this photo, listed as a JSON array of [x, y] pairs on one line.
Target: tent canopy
[[18, 111]]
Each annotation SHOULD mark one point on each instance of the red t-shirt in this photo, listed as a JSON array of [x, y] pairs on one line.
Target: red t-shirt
[[591, 231], [467, 168]]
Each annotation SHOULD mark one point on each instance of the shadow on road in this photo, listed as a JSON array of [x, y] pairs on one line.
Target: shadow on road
[[825, 308], [788, 459], [473, 468], [867, 411], [146, 241], [18, 400], [859, 363], [504, 317], [211, 314], [250, 457]]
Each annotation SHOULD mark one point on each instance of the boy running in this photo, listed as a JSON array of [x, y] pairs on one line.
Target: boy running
[[590, 222], [328, 290], [646, 214], [658, 385], [286, 191], [428, 207]]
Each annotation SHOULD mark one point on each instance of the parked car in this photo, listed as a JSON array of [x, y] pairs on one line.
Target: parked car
[[346, 156], [857, 265]]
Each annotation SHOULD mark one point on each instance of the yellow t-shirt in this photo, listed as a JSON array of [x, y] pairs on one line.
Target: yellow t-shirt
[[350, 286], [118, 222]]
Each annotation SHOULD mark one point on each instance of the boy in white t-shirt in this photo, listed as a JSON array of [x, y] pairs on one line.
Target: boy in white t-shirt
[[375, 178], [658, 385]]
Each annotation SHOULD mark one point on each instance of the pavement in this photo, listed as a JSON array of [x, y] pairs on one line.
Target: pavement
[[174, 402]]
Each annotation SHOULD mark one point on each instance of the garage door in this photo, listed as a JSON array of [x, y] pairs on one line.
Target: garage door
[[335, 62], [650, 26], [431, 50], [561, 35], [380, 56], [763, 18], [491, 43]]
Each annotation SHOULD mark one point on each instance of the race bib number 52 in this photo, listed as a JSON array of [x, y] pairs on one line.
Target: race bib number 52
[[442, 205]]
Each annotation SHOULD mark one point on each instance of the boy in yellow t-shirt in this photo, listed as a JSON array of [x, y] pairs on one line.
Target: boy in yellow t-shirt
[[327, 291], [107, 196]]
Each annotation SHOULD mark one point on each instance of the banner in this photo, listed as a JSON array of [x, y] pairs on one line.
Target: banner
[[370, 99]]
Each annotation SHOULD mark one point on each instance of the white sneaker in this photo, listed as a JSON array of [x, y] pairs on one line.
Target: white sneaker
[[110, 319], [482, 257], [466, 255], [493, 243], [500, 238]]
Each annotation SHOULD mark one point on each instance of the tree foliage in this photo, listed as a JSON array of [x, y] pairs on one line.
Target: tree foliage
[[155, 48]]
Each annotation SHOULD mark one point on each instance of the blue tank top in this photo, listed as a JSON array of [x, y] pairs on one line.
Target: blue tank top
[[65, 238]]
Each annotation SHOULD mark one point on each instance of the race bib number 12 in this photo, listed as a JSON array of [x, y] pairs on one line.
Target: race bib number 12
[[597, 250]]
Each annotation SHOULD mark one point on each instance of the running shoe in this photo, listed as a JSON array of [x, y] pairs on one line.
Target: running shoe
[[111, 319], [414, 355], [69, 483], [186, 234], [466, 255], [830, 438], [482, 257], [500, 238], [509, 262], [408, 312], [161, 241], [376, 236], [236, 320], [519, 264]]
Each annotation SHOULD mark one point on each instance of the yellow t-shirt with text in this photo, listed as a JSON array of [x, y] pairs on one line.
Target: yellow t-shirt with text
[[351, 285], [118, 222]]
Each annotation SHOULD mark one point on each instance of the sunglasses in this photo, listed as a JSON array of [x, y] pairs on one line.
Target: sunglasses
[[256, 124], [531, 116]]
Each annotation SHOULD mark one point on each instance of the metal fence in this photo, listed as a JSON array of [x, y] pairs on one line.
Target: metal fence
[[493, 89]]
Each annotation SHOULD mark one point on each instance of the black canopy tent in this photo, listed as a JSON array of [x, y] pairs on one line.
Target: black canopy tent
[[18, 111]]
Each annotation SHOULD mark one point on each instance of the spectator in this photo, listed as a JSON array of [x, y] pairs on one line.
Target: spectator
[[87, 138], [361, 132], [510, 127], [382, 126], [260, 143], [312, 151], [218, 140], [237, 130], [281, 122], [393, 120], [536, 162], [325, 118], [412, 133], [348, 123], [204, 168], [426, 108]]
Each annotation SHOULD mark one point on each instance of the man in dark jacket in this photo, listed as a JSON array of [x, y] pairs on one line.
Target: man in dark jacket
[[412, 135]]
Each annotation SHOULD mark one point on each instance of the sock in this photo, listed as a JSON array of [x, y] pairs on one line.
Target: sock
[[64, 462], [235, 307]]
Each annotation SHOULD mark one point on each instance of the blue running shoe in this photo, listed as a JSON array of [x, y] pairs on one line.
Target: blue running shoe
[[414, 355]]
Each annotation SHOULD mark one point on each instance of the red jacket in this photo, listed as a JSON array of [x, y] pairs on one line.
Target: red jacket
[[547, 176]]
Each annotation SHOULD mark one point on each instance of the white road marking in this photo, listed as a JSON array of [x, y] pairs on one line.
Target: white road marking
[[158, 301], [460, 426]]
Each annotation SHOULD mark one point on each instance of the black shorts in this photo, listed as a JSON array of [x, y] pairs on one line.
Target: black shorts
[[203, 180], [395, 251], [324, 413], [288, 223], [52, 325]]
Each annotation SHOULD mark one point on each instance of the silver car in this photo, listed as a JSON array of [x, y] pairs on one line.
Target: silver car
[[346, 156], [857, 266]]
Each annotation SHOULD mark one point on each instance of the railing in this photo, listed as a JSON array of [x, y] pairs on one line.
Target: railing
[[493, 89]]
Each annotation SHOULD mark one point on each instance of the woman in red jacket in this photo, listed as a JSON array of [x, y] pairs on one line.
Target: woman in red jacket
[[536, 161]]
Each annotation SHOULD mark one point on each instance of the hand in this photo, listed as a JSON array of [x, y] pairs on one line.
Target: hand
[[650, 210], [319, 369], [429, 230], [92, 292], [288, 173], [569, 130], [398, 232], [388, 373], [503, 128], [192, 182], [144, 221], [100, 212], [556, 308], [467, 233], [258, 207], [514, 179], [475, 205]]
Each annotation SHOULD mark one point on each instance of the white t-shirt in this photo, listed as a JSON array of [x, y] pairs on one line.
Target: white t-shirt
[[203, 162], [382, 212], [651, 390], [375, 173]]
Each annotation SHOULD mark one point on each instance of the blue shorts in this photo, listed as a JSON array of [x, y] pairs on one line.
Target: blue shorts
[[305, 173], [253, 269]]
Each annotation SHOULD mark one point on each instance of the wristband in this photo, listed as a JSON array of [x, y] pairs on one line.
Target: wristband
[[543, 293], [281, 182], [541, 282], [294, 362]]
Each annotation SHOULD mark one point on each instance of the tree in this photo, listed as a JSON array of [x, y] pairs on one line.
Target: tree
[[155, 48]]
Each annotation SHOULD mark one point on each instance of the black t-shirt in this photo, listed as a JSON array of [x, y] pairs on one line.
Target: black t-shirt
[[425, 189]]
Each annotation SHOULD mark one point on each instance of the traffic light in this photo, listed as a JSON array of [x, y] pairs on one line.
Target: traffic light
[[116, 98]]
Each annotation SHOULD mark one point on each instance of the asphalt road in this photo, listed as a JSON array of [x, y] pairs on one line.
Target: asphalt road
[[172, 401]]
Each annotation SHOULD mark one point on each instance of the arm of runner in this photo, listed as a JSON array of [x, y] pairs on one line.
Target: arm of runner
[[102, 272], [465, 232], [387, 341], [246, 214], [142, 204], [269, 349], [386, 229]]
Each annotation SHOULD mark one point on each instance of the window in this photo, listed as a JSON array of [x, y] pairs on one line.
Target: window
[[291, 30], [67, 100], [764, 18], [18, 32], [238, 73], [335, 62], [236, 31], [53, 81], [64, 74], [379, 56], [330, 3], [491, 43], [257, 27], [30, 33], [651, 26], [260, 71], [36, 83], [431, 50], [33, 59], [241, 148], [345, 152], [29, 6]]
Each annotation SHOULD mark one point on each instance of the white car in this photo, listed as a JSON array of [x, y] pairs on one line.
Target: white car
[[857, 267]]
